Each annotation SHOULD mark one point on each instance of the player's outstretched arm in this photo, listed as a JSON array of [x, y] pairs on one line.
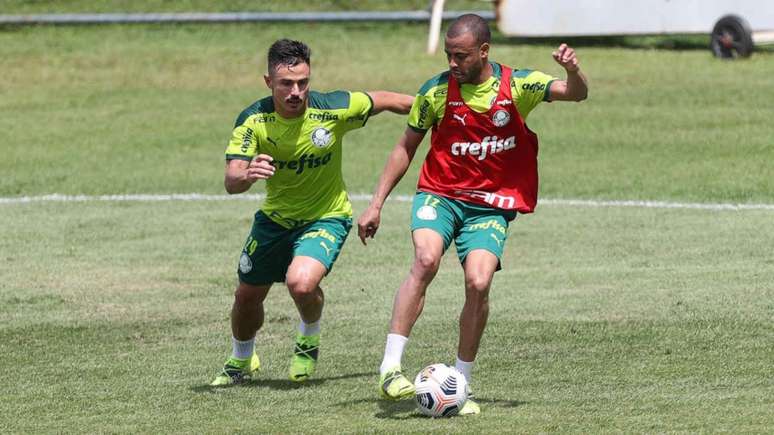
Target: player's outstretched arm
[[575, 87], [397, 164], [241, 174], [390, 101]]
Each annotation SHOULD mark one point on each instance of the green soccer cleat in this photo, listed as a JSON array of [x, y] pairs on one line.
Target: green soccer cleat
[[394, 386], [304, 357], [237, 371], [470, 407]]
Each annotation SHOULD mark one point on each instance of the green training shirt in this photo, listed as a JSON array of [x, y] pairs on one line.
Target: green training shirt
[[528, 89], [308, 183]]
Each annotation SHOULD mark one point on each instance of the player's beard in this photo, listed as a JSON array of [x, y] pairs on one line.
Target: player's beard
[[472, 75]]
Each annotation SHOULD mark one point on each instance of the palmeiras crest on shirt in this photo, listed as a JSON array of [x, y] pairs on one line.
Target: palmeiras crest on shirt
[[321, 137], [245, 263], [501, 118], [427, 213]]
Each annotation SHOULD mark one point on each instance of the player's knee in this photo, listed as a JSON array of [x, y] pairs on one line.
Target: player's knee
[[300, 286], [245, 295], [427, 262], [477, 286]]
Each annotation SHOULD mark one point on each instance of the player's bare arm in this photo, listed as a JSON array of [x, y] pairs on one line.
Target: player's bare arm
[[397, 164], [241, 174], [390, 101], [574, 88]]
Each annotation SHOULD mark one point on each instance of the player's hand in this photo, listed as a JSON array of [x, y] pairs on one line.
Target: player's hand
[[368, 224], [260, 168], [565, 56]]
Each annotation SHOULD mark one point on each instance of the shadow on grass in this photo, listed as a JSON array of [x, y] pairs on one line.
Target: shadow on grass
[[278, 384], [401, 410], [388, 409], [406, 409], [500, 403]]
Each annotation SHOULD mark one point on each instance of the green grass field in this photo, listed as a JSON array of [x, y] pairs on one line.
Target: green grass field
[[114, 315]]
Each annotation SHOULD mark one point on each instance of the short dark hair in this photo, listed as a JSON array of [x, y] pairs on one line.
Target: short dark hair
[[288, 52], [470, 23]]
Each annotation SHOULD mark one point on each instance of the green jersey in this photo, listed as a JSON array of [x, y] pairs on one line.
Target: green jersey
[[528, 89], [308, 183]]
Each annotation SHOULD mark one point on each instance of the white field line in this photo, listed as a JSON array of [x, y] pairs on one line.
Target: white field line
[[365, 197]]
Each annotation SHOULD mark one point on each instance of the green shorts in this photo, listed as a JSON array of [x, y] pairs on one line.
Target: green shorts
[[270, 247], [470, 226]]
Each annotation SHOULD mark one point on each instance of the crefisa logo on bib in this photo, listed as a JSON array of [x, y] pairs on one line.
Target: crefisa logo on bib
[[501, 118], [321, 137]]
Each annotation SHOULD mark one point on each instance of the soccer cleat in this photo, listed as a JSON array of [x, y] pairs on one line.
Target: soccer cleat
[[470, 407], [237, 371], [394, 386], [304, 357]]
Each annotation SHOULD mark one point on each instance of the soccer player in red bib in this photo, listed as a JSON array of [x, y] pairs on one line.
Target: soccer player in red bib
[[480, 172]]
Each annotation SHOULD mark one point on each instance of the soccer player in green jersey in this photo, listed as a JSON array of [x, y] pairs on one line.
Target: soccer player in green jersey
[[474, 217], [292, 140]]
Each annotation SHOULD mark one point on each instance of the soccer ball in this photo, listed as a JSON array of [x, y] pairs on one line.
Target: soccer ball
[[441, 391]]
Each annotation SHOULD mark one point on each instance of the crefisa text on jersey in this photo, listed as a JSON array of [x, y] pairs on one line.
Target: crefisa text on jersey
[[308, 161], [490, 145], [323, 116]]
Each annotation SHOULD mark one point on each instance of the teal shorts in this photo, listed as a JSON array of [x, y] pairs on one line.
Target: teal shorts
[[470, 226], [270, 247]]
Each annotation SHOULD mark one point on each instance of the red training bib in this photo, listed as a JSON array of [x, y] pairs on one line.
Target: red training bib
[[485, 158]]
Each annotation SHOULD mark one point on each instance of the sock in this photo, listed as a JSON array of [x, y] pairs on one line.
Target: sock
[[466, 368], [309, 328], [393, 352], [242, 349]]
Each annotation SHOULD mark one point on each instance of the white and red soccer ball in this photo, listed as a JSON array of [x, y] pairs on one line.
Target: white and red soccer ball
[[441, 391]]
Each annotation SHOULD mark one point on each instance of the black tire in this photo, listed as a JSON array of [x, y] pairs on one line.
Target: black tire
[[731, 38]]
